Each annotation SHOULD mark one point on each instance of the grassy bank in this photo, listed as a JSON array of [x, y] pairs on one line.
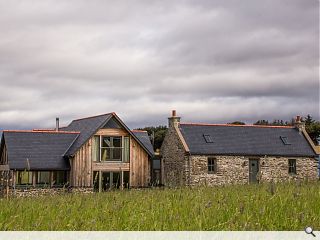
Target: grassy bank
[[249, 207]]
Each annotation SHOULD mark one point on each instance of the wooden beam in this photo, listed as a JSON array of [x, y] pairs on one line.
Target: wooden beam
[[4, 167]]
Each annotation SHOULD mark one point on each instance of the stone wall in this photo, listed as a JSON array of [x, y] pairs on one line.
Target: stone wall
[[235, 170], [230, 170], [35, 192], [173, 160], [276, 169]]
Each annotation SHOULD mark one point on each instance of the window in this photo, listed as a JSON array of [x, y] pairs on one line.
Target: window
[[126, 149], [59, 178], [208, 138], [43, 177], [111, 148], [103, 181], [126, 179], [96, 149], [212, 165], [285, 140], [292, 166], [107, 148], [24, 178]]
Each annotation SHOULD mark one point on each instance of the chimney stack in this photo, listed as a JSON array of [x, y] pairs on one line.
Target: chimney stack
[[174, 120], [299, 124], [57, 124]]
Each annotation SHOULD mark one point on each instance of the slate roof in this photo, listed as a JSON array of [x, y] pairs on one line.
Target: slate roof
[[38, 150], [144, 139], [245, 140], [87, 127], [46, 149]]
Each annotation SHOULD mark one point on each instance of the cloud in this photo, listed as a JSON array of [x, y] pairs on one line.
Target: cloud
[[223, 60]]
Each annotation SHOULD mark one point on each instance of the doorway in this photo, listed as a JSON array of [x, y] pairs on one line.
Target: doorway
[[253, 170]]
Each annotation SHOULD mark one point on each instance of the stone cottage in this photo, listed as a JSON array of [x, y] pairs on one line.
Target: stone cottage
[[215, 154]]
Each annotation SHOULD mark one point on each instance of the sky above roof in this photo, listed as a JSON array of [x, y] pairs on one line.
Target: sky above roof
[[214, 61]]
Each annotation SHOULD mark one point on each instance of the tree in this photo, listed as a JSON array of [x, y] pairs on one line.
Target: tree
[[237, 123], [312, 128], [261, 122], [309, 120], [158, 133]]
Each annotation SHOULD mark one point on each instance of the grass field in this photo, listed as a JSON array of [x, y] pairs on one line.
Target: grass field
[[250, 207]]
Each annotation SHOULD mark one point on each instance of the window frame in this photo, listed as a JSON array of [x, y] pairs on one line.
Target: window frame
[[55, 175], [211, 165], [19, 176], [208, 138], [285, 140], [38, 176], [121, 148], [292, 168]]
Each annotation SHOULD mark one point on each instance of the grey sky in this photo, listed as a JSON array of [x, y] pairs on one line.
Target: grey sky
[[213, 61]]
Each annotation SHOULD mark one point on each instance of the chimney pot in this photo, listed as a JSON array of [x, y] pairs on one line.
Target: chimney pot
[[174, 120], [299, 124], [57, 124]]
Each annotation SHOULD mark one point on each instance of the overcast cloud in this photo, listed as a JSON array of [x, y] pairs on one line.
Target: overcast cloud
[[213, 61]]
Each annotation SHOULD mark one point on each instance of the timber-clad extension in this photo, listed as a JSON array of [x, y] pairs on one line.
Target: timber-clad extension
[[98, 152]]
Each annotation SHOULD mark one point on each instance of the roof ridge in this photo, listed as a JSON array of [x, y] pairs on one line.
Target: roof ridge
[[234, 125], [137, 130], [112, 113], [42, 131]]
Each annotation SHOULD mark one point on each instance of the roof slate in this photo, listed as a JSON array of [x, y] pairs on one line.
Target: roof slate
[[38, 150], [87, 127], [144, 139], [245, 140]]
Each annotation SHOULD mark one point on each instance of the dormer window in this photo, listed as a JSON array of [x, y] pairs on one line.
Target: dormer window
[[208, 138], [285, 140]]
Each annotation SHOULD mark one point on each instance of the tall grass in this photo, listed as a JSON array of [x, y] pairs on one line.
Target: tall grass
[[250, 207]]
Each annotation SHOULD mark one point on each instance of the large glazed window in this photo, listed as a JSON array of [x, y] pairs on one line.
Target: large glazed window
[[111, 148], [24, 178], [43, 177], [108, 148], [59, 178], [126, 149], [104, 181], [96, 149]]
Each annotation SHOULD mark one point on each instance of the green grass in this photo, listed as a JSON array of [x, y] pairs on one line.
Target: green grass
[[250, 207]]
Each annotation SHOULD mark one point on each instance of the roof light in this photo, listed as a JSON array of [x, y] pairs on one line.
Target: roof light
[[285, 140], [208, 138]]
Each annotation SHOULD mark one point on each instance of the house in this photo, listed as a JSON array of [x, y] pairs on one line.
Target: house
[[98, 152], [216, 154]]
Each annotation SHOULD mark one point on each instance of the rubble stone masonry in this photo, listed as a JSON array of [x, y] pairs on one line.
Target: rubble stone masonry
[[181, 169], [235, 170]]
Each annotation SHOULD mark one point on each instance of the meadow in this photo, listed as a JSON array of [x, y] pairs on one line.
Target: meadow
[[246, 207]]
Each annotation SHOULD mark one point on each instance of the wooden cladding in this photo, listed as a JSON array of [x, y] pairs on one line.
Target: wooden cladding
[[81, 166], [85, 161], [112, 132], [4, 156], [102, 166], [139, 165]]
